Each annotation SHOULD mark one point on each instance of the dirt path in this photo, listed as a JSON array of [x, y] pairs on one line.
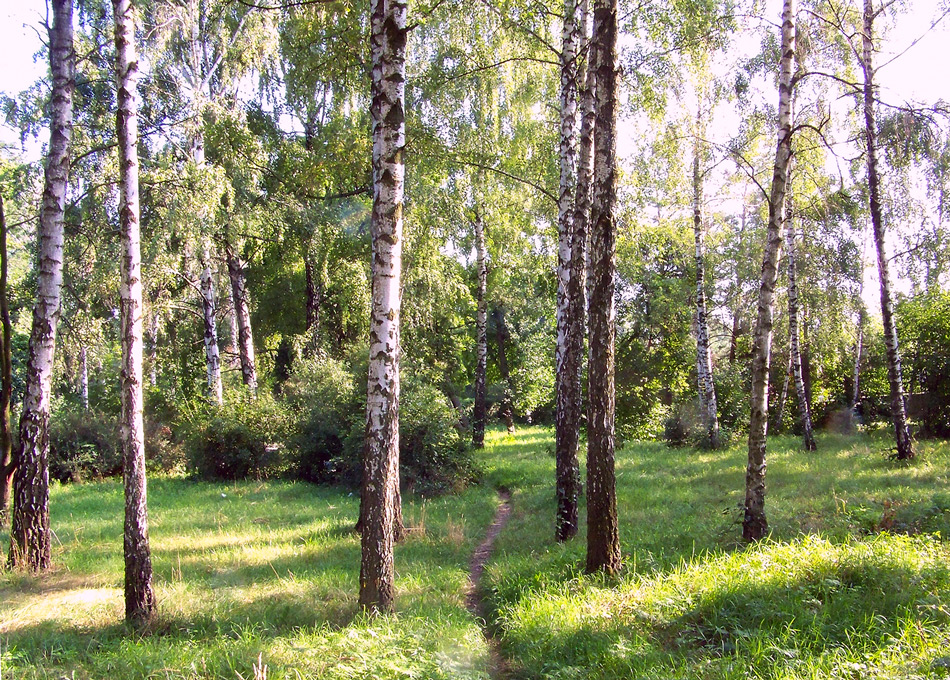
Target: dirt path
[[473, 598]]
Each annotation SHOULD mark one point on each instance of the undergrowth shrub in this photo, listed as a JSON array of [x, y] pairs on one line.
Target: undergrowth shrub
[[84, 444], [433, 457], [326, 404], [163, 452], [432, 454], [239, 440]]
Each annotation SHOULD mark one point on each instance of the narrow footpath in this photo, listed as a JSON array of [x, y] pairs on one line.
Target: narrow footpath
[[473, 598]]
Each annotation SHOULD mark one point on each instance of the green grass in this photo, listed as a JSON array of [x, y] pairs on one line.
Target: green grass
[[243, 569], [853, 583]]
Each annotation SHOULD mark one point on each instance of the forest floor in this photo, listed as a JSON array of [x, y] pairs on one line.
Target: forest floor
[[853, 583]]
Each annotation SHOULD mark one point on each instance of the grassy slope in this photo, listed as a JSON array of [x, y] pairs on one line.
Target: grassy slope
[[828, 596], [249, 568]]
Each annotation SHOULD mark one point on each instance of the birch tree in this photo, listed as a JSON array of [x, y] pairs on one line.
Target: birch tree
[[139, 596], [30, 532], [567, 352], [704, 373], [603, 538], [905, 449], [381, 449], [212, 347], [242, 316], [6, 375], [754, 524], [205, 48], [794, 347]]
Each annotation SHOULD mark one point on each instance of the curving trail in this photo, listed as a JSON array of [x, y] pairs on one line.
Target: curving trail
[[473, 598]]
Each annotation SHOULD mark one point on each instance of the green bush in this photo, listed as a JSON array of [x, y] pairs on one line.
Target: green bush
[[326, 405], [433, 456], [84, 444], [163, 453], [242, 439], [924, 331]]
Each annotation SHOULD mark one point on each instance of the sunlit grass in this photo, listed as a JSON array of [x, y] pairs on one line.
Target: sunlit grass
[[853, 582], [244, 569]]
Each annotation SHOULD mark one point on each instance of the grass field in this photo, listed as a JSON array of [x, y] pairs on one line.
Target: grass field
[[854, 582]]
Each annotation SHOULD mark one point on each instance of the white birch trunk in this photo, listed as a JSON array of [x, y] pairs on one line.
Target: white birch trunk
[[84, 378], [706, 386], [30, 533], [567, 353], [381, 449], [755, 525], [905, 448], [212, 353], [139, 596], [242, 316]]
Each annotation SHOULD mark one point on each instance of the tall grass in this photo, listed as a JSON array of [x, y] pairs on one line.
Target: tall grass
[[241, 570], [852, 583]]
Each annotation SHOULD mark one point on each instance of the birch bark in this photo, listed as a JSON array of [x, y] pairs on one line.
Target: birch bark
[[212, 353], [603, 538], [754, 524], [242, 314], [381, 450], [794, 347], [706, 386], [567, 353], [905, 448], [6, 377], [84, 377], [30, 533], [139, 596]]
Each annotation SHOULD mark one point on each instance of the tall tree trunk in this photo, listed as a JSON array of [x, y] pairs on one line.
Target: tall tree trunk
[[754, 524], [795, 357], [30, 533], [380, 491], [139, 597], [313, 302], [905, 448], [858, 352], [230, 349], [242, 313], [84, 377], [603, 537], [570, 311], [706, 386], [6, 377], [212, 353], [572, 385], [481, 334], [734, 337], [783, 397], [507, 409]]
